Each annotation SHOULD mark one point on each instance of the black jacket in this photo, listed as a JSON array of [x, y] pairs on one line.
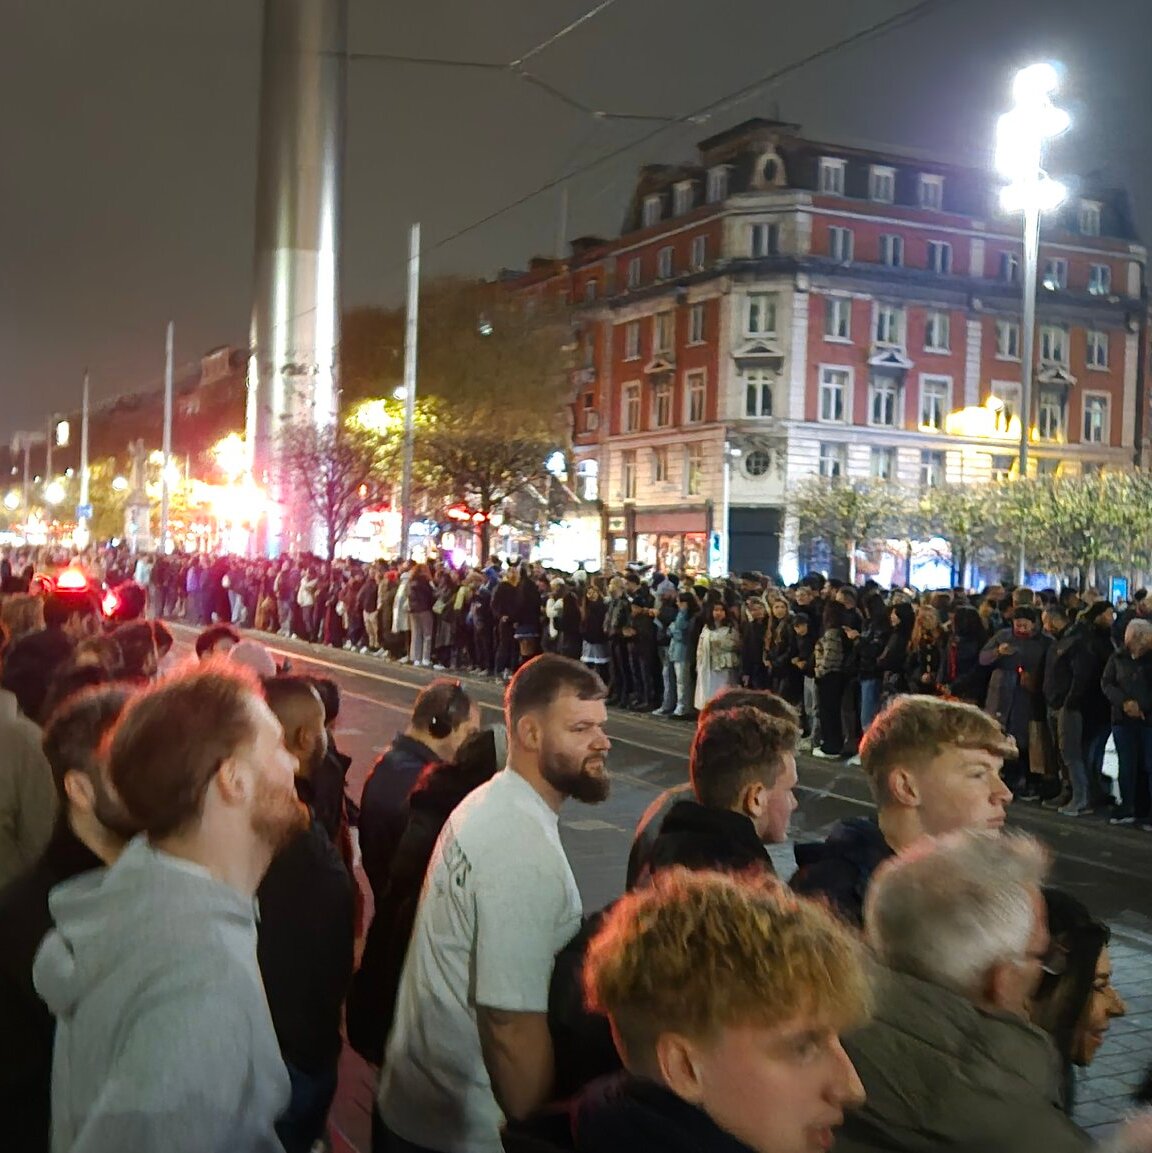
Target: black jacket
[[1128, 679], [26, 1025], [439, 789], [1089, 659], [305, 944], [384, 806], [623, 1113], [701, 838], [327, 798], [840, 868], [1057, 677]]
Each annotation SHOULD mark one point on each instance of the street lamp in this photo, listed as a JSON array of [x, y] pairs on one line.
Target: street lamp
[[54, 492], [720, 569], [1021, 135]]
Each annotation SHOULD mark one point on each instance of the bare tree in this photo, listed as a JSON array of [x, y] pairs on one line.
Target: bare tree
[[336, 472]]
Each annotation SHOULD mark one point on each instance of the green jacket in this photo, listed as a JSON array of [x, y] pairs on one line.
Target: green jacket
[[941, 1073]]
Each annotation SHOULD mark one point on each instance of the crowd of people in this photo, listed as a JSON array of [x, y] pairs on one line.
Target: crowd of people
[[179, 910]]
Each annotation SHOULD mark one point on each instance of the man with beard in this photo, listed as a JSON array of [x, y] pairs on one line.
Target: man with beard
[[470, 1043], [163, 1035], [307, 929], [90, 832]]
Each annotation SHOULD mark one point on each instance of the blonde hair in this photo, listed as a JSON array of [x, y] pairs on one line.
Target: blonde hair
[[695, 953], [927, 618], [916, 729], [948, 909]]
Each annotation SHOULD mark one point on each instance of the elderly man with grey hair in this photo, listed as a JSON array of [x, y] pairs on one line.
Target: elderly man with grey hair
[[1127, 683], [950, 1060]]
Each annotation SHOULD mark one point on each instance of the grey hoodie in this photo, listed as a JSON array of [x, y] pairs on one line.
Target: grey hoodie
[[163, 1039]]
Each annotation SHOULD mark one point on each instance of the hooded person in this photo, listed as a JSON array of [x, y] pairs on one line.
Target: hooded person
[[163, 1036]]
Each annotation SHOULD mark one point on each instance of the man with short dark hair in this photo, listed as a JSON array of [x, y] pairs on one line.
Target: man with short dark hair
[[90, 832], [216, 641], [162, 947], [307, 930], [443, 717], [743, 769], [648, 827], [470, 1043], [934, 767]]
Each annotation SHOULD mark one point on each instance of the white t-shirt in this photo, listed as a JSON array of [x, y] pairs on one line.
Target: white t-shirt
[[499, 902]]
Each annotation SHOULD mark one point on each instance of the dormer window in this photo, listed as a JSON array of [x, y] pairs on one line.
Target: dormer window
[[718, 184], [682, 198], [882, 184], [832, 175], [931, 192], [1090, 218], [653, 210]]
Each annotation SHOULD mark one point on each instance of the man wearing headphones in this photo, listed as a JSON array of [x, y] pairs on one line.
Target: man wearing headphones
[[443, 717]]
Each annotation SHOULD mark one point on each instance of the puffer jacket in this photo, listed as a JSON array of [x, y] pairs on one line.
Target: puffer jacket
[[941, 1073], [830, 653]]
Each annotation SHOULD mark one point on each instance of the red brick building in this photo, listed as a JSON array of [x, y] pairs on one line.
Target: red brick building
[[820, 308]]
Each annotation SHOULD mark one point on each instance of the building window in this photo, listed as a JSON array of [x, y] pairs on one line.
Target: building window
[[662, 332], [1007, 340], [1002, 467], [590, 288], [892, 251], [882, 184], [1054, 344], [883, 401], [1009, 268], [939, 257], [934, 400], [837, 318], [628, 475], [834, 384], [717, 185], [1055, 276], [841, 244], [1100, 279], [660, 465], [590, 418], [588, 479], [1096, 419], [882, 463], [1008, 395], [932, 468], [682, 198], [653, 210], [632, 340], [662, 404], [932, 192], [1090, 218], [699, 252], [833, 460], [758, 394], [1097, 349], [832, 176], [630, 407], [694, 384], [694, 469], [1050, 415], [762, 314], [765, 240], [634, 272], [696, 324], [889, 324], [937, 332], [758, 463], [1048, 466], [664, 263]]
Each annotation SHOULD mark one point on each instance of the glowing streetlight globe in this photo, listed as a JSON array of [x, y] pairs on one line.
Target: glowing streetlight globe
[[12, 501], [120, 484], [55, 492]]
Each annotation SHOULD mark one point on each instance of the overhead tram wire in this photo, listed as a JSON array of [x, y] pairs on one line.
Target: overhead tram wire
[[701, 115]]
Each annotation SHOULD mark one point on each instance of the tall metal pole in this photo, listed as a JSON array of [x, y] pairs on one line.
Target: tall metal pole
[[411, 332], [27, 482], [50, 442], [725, 513], [1028, 353], [82, 521], [562, 225], [167, 444]]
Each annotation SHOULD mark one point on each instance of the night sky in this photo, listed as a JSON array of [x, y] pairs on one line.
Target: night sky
[[128, 130]]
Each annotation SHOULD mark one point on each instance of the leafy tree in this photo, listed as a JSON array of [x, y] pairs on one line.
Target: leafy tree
[[849, 515], [965, 516], [336, 471]]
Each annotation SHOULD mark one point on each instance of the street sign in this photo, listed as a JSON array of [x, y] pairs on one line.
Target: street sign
[[83, 512]]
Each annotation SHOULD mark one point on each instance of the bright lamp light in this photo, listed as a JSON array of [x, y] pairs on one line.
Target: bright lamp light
[[55, 492], [12, 501], [1035, 82], [120, 484], [1045, 193]]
